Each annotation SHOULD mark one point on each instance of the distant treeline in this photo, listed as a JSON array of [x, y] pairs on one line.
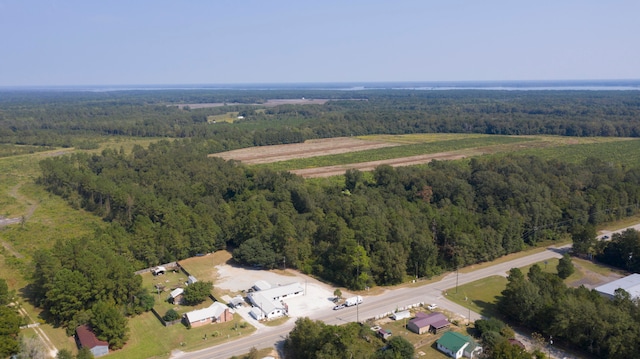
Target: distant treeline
[[70, 118], [171, 201]]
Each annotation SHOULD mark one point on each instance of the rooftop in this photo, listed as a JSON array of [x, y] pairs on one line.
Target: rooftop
[[454, 341], [630, 283], [87, 338]]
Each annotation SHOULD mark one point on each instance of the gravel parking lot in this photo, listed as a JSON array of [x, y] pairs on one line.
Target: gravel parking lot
[[317, 294]]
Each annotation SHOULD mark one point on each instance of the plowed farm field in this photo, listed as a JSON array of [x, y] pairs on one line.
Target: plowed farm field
[[324, 147], [310, 148], [333, 156]]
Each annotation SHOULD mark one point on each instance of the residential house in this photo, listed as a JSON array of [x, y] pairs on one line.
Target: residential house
[[435, 322], [215, 313], [176, 296], [87, 339], [457, 346]]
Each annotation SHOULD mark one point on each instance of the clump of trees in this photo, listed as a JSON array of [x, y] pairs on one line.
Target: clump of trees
[[10, 322], [84, 281], [197, 292], [579, 316], [314, 339], [622, 251]]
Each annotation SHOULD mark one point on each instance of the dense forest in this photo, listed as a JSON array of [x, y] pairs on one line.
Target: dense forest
[[57, 119], [171, 201]]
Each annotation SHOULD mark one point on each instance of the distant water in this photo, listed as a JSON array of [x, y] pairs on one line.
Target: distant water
[[594, 85]]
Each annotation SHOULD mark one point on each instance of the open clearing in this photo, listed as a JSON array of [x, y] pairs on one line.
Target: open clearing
[[333, 156], [268, 103], [310, 148]]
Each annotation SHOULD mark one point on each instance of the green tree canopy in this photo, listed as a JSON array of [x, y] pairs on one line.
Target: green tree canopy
[[197, 292], [109, 324]]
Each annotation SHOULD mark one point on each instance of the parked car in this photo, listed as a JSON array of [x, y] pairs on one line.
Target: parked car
[[339, 306], [432, 306]]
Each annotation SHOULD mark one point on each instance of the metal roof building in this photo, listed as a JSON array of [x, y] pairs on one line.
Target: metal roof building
[[630, 283]]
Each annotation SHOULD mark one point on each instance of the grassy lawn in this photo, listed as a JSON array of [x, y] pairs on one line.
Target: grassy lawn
[[481, 296], [149, 338]]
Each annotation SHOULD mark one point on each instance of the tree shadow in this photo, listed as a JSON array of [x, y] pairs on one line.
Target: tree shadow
[[28, 293]]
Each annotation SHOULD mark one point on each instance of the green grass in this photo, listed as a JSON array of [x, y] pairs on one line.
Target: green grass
[[616, 150], [481, 296], [150, 339]]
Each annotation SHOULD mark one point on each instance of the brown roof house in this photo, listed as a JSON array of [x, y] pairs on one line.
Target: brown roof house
[[87, 339], [432, 322], [215, 313]]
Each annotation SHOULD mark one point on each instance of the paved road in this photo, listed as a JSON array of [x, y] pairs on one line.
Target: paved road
[[373, 306]]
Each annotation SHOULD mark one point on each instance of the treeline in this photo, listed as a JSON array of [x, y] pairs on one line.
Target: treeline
[[316, 340], [579, 316], [69, 119], [171, 201]]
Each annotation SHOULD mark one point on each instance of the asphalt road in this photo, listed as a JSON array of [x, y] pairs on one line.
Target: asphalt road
[[373, 306]]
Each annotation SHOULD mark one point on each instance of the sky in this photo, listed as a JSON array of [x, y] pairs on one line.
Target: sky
[[118, 42]]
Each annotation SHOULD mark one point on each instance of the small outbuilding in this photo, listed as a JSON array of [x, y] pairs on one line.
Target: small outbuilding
[[433, 322], [384, 334], [85, 338], [176, 296], [237, 301], [401, 315]]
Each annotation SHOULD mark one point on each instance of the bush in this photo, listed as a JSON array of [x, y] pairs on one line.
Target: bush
[[171, 315]]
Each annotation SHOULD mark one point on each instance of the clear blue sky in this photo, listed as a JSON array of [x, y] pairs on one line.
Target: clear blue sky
[[95, 42]]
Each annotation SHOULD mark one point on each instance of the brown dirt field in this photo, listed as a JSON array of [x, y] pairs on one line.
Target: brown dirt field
[[311, 148]]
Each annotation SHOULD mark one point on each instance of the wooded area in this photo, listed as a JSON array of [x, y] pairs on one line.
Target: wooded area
[[578, 316]]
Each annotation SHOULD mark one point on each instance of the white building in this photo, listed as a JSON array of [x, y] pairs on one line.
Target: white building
[[269, 303], [630, 283]]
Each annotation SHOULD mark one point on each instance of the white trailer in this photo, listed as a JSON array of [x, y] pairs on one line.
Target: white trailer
[[353, 301]]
